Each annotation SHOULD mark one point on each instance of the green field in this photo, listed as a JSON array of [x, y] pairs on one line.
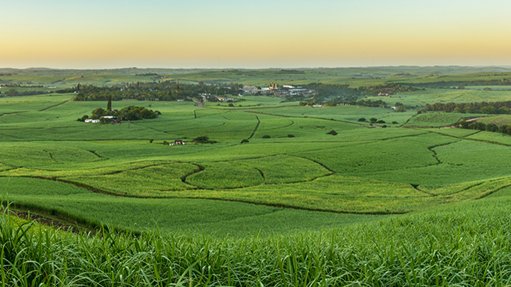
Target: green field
[[411, 202]]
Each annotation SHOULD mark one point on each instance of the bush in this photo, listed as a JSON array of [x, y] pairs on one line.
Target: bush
[[244, 141], [290, 136], [380, 122], [131, 113], [362, 120], [203, 140], [395, 123], [332, 132], [266, 137], [373, 120]]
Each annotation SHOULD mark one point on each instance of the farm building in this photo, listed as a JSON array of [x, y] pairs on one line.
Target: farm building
[[92, 121], [178, 142]]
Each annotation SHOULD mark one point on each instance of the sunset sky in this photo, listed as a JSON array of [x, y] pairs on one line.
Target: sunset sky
[[253, 34]]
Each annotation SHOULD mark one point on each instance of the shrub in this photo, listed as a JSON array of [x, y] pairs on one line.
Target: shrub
[[290, 136], [332, 132], [362, 120], [244, 141], [373, 120], [203, 140], [380, 122], [266, 137]]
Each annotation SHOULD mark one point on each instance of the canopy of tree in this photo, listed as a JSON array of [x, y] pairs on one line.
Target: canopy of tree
[[131, 113], [329, 94], [343, 94], [389, 89], [462, 84], [479, 108], [15, 93], [203, 140], [161, 91], [491, 127]]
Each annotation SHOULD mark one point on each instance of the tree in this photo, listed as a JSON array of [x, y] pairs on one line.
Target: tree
[[492, 127], [400, 108], [11, 93], [109, 104], [203, 140], [98, 113], [83, 118]]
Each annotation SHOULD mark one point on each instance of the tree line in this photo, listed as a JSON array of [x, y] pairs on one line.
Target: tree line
[[461, 84], [18, 93], [155, 91], [476, 108], [335, 94], [490, 127]]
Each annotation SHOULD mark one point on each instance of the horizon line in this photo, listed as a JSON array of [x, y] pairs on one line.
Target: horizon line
[[254, 68]]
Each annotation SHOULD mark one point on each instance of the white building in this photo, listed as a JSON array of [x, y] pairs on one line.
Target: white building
[[92, 121]]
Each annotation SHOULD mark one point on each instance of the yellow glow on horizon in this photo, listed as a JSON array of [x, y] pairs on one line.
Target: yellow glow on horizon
[[257, 41]]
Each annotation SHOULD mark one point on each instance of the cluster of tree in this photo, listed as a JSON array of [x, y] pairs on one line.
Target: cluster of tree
[[9, 84], [336, 94], [65, 91], [332, 95], [400, 107], [17, 93], [389, 89], [462, 84], [373, 121], [371, 103], [131, 113], [480, 108], [292, 71], [491, 127], [155, 91], [149, 75], [203, 140]]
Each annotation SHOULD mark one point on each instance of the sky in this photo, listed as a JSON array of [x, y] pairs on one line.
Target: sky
[[253, 34]]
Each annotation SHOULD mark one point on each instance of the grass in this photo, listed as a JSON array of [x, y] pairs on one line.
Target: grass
[[360, 170], [416, 203], [423, 97], [499, 120], [435, 119], [465, 244], [188, 216]]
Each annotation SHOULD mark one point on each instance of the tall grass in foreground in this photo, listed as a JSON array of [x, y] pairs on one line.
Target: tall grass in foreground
[[467, 245]]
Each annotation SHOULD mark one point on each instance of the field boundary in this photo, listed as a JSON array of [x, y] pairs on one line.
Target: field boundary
[[247, 201], [54, 106], [256, 128]]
